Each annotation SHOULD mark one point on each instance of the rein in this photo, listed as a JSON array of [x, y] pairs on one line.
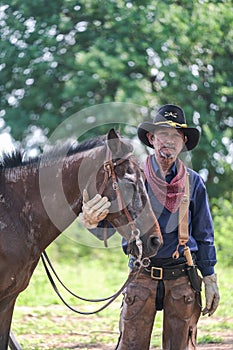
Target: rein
[[45, 259]]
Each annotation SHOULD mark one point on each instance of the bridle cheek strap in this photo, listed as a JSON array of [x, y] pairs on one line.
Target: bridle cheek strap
[[109, 168]]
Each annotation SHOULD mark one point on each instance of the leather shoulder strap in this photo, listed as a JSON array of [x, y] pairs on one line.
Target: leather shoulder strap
[[183, 234]]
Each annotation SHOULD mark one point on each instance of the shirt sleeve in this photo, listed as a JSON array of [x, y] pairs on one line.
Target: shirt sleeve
[[201, 227]]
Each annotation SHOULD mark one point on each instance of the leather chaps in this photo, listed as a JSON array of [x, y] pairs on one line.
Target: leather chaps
[[181, 308]]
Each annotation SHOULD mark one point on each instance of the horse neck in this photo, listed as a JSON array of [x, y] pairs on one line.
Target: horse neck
[[62, 185], [33, 205], [80, 172], [44, 200]]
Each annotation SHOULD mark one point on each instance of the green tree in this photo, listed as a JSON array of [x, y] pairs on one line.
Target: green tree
[[223, 221], [59, 57]]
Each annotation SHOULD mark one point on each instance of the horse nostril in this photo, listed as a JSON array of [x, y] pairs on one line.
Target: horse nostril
[[154, 243]]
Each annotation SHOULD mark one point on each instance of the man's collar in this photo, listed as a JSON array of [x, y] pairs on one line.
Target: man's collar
[[173, 170]]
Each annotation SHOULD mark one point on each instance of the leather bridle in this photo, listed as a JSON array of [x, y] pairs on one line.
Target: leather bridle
[[109, 168]]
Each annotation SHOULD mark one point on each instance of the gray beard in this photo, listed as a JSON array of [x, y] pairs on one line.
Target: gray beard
[[165, 155]]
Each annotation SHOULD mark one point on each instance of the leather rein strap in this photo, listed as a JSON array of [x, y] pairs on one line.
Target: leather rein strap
[[48, 266]]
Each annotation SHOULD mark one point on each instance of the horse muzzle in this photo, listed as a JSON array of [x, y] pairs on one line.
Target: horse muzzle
[[153, 245]]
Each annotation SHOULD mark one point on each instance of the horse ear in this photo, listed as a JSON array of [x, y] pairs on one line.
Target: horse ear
[[116, 145], [112, 134]]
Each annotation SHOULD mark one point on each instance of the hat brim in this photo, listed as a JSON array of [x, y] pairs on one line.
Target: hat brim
[[192, 134]]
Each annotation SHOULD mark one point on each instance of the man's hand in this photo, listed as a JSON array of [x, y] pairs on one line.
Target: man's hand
[[94, 210], [211, 294]]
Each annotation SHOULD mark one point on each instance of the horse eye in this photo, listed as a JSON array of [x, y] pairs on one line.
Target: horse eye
[[130, 170]]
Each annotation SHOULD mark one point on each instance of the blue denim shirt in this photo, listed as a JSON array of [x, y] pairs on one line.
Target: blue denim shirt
[[201, 231]]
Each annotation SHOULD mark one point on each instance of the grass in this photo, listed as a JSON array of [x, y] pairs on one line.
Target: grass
[[41, 321]]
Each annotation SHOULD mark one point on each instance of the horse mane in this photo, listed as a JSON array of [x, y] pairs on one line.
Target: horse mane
[[17, 157], [12, 159]]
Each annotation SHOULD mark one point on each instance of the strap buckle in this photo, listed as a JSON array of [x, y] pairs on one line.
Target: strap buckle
[[153, 273]]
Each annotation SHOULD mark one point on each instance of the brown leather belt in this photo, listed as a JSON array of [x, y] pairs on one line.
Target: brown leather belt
[[166, 273]]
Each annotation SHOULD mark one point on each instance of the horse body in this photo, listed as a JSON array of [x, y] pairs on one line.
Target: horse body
[[41, 198], [20, 239]]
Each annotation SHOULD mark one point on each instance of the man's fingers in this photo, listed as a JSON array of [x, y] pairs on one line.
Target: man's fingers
[[94, 210], [214, 306], [101, 204], [95, 200], [96, 215], [210, 309], [209, 303], [207, 308], [103, 215], [205, 311], [85, 196], [211, 294]]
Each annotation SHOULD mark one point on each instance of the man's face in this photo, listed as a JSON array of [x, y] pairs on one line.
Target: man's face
[[167, 143]]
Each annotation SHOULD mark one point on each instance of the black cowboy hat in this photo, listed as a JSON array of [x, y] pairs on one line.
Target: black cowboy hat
[[170, 116]]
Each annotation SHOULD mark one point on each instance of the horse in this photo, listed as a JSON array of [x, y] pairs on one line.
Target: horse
[[40, 197]]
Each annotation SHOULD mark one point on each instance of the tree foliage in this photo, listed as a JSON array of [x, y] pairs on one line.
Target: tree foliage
[[223, 221], [59, 57]]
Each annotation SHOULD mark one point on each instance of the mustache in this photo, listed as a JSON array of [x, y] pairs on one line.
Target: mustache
[[165, 154]]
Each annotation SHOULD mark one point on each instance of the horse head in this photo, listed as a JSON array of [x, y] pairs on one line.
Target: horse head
[[121, 180]]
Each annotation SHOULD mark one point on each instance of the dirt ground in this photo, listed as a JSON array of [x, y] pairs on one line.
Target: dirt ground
[[58, 339], [227, 344], [53, 328]]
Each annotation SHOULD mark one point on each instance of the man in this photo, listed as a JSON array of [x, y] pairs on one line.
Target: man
[[167, 284]]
